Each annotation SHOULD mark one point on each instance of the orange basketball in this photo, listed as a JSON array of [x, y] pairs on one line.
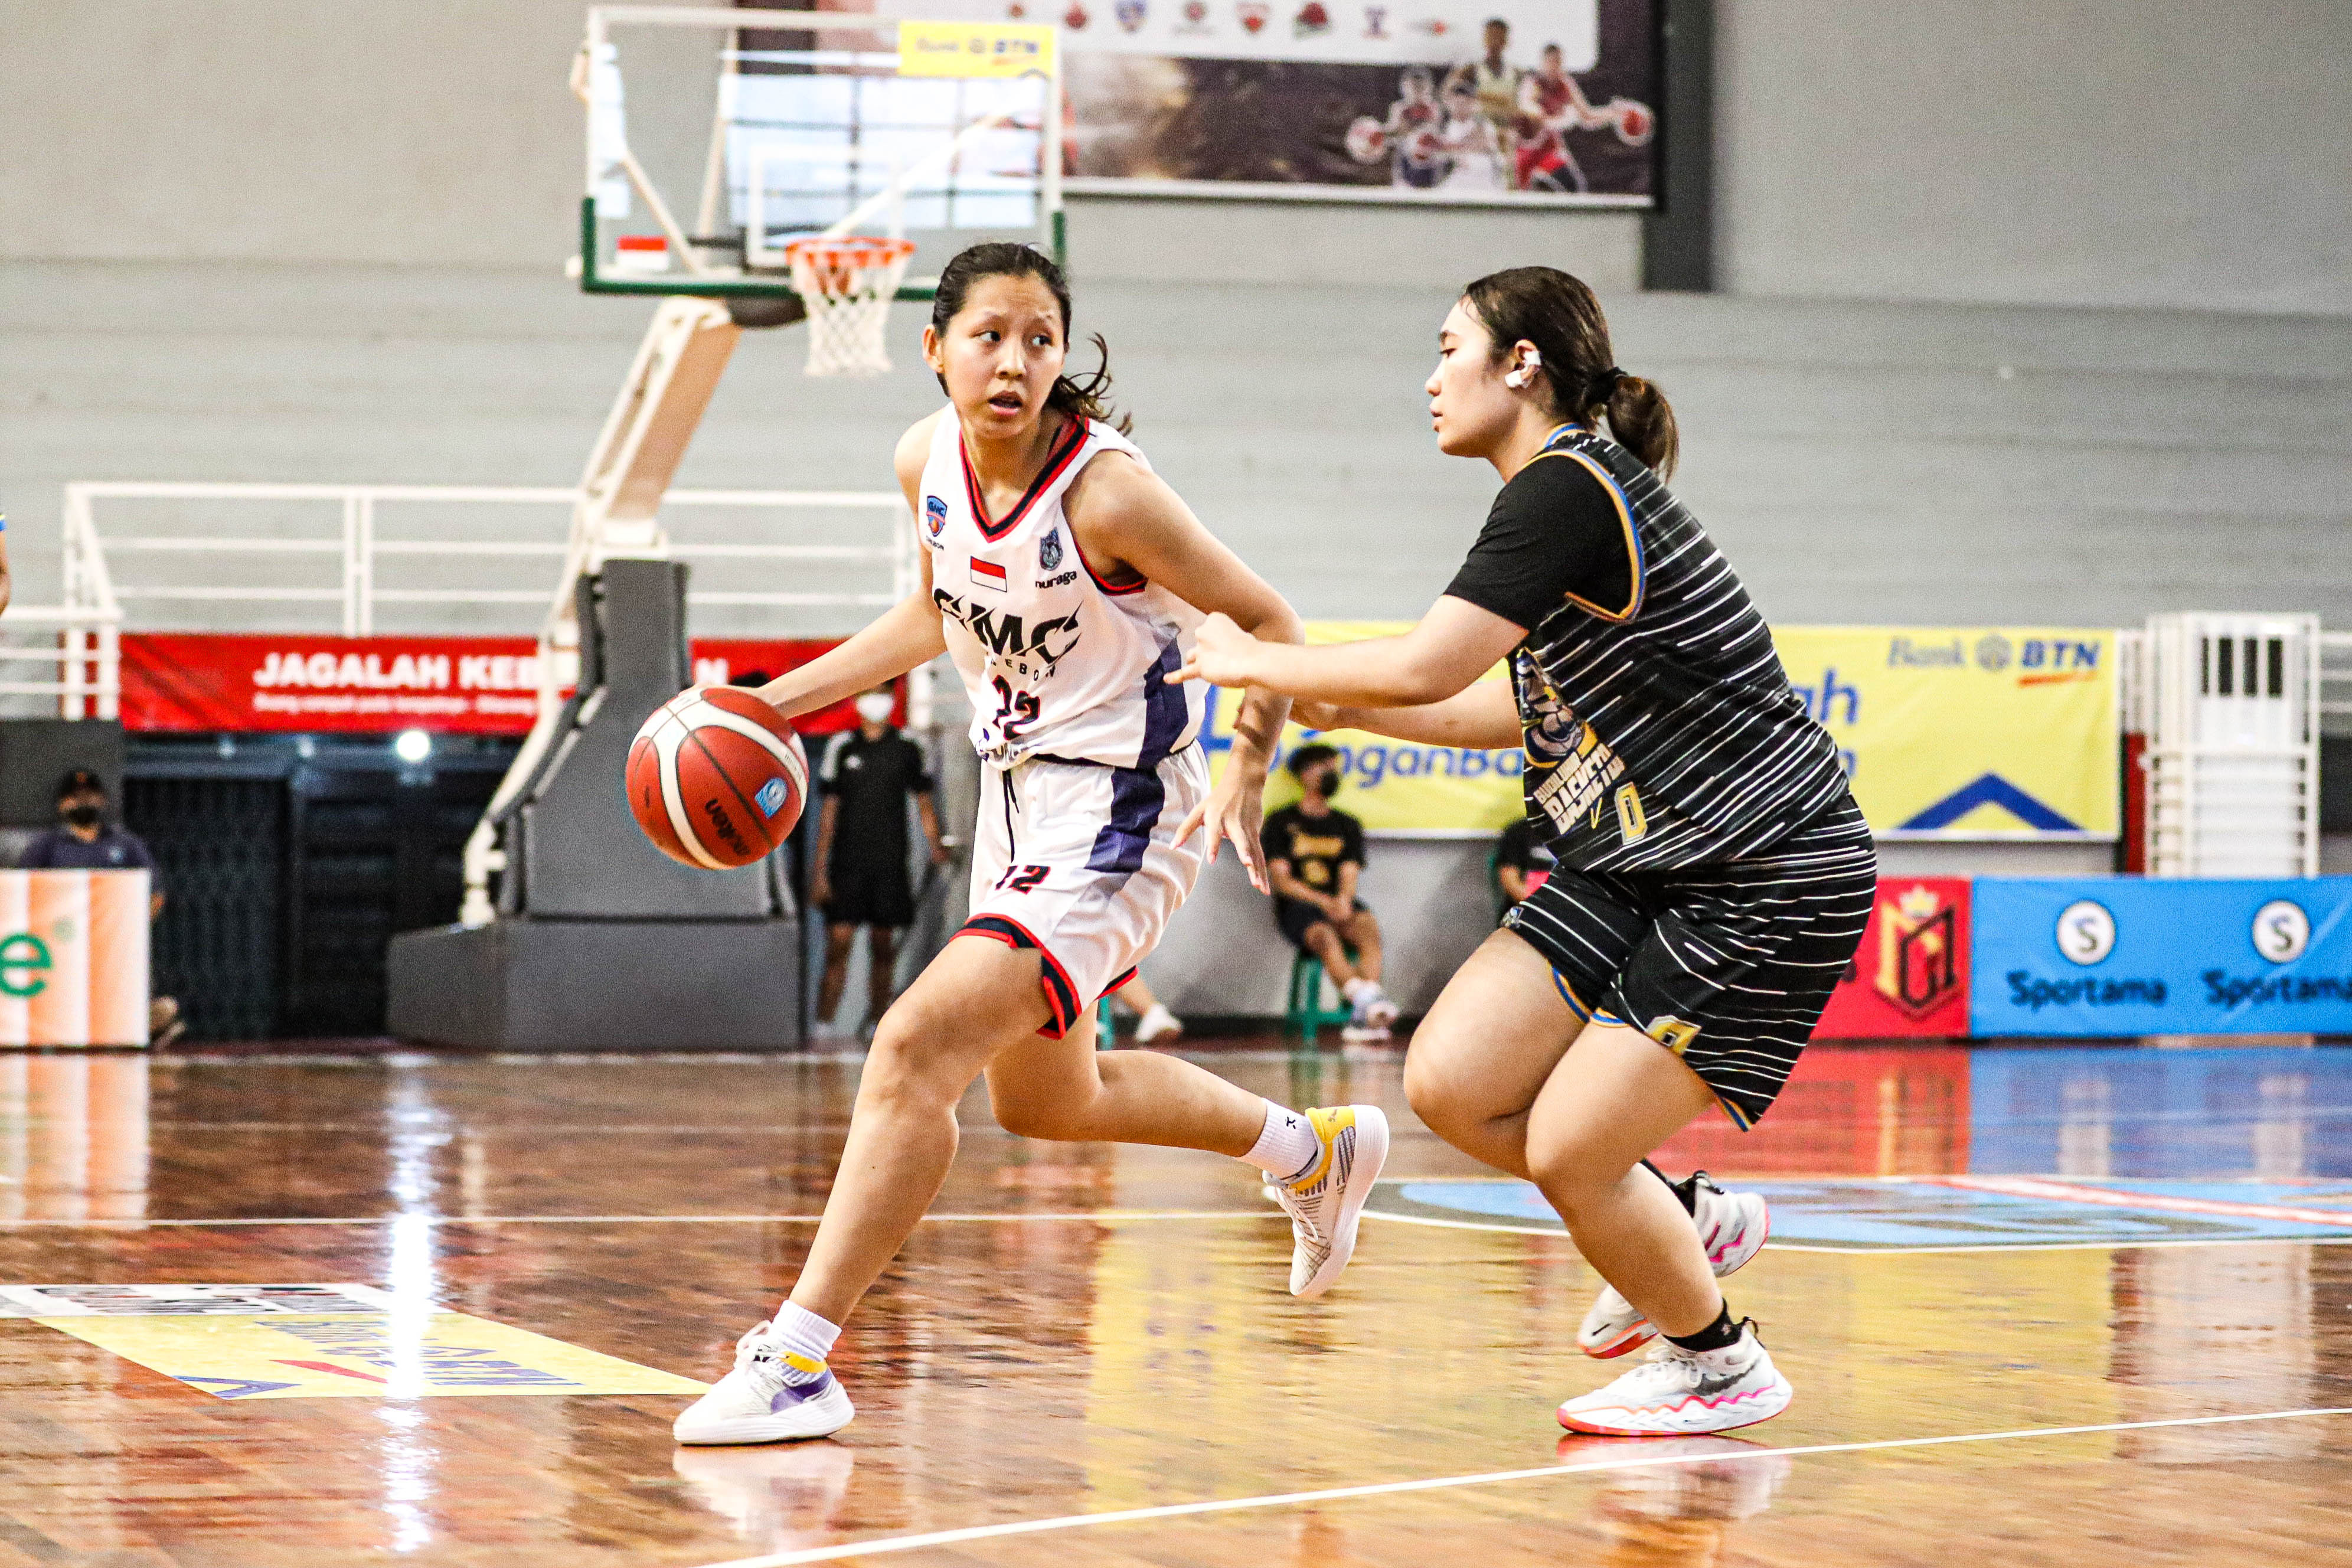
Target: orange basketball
[[717, 778]]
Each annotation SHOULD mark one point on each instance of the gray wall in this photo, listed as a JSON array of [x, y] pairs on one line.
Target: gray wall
[[2066, 151], [2076, 151]]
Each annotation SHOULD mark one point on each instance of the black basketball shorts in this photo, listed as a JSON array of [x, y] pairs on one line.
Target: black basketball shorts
[[867, 894], [1728, 966], [1295, 917]]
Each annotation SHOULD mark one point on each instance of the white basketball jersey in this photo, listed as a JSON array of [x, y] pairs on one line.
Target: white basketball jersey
[[1058, 663]]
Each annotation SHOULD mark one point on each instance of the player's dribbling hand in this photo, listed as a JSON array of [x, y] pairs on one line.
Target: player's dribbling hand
[[1220, 654], [1233, 810]]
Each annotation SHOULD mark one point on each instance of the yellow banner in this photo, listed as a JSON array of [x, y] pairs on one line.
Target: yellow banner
[[1947, 731], [1392, 787], [975, 48], [1968, 731], [341, 1355]]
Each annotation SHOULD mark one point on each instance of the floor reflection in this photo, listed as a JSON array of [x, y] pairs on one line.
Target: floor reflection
[[1678, 1514], [776, 1498], [73, 1135], [2095, 1111]]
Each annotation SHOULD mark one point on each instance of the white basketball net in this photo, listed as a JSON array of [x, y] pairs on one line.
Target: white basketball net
[[848, 285]]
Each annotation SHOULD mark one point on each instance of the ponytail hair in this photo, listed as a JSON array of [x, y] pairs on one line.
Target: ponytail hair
[[1557, 314], [1080, 397]]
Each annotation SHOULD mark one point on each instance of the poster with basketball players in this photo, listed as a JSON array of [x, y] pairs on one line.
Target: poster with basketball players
[[1505, 101]]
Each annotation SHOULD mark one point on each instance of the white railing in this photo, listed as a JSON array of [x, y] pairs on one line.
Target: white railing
[[352, 552], [82, 645]]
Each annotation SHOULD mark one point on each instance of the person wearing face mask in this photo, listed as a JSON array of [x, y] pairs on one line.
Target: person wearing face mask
[[1316, 854], [867, 774], [84, 840]]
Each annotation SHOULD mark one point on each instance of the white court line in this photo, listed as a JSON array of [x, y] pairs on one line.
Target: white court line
[[434, 1219], [1388, 1488], [2109, 1246]]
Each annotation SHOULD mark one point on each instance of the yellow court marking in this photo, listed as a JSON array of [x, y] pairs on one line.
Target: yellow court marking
[[389, 1356]]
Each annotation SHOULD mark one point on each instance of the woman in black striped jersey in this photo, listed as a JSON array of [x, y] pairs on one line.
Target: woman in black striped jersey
[[1714, 877]]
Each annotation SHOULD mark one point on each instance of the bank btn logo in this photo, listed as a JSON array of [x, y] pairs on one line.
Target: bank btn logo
[[1993, 652], [1918, 951], [2086, 931], [2282, 930]]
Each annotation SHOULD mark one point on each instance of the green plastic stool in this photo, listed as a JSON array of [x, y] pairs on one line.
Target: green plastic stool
[[1304, 1013]]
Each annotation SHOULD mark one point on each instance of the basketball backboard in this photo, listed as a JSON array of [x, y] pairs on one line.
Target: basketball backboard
[[780, 125]]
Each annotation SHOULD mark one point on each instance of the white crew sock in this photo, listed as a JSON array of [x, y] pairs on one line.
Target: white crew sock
[[1356, 988], [801, 1332], [1287, 1146]]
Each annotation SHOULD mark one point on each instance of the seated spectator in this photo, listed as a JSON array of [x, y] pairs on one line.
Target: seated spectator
[[84, 840], [1522, 864], [1316, 855]]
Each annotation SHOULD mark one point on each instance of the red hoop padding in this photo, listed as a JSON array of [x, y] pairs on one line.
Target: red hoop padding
[[837, 262]]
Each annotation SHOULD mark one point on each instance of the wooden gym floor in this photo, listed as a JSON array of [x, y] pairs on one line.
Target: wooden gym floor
[[1088, 1356]]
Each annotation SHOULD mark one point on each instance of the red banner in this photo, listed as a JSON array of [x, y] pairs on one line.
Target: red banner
[[472, 686], [1911, 978]]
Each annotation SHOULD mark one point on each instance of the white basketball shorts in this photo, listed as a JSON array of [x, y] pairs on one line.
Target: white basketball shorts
[[1080, 862]]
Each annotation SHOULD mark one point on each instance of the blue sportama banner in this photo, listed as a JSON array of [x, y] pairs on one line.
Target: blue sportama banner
[[2111, 956]]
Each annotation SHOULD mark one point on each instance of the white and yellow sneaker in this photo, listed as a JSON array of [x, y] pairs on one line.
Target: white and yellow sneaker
[[1326, 1204], [1675, 1392], [769, 1397]]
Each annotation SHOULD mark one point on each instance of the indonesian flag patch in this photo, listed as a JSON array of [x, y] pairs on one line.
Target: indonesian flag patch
[[987, 575]]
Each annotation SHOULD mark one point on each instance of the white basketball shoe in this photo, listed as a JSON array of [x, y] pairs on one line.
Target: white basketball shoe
[[1326, 1205], [1731, 1225], [758, 1403], [1675, 1392], [1158, 1024]]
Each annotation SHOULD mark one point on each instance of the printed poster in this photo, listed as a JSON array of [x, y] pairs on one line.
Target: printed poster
[[1499, 101]]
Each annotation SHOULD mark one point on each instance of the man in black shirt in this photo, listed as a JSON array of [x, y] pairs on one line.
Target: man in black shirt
[[84, 840], [1315, 854], [868, 775]]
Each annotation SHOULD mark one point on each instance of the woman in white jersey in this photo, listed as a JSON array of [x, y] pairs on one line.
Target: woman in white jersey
[[1064, 578]]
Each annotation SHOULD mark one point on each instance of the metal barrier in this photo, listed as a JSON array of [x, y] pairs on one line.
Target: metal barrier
[[84, 647]]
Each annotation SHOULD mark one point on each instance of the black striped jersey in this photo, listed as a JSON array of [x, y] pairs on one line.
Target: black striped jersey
[[1661, 731]]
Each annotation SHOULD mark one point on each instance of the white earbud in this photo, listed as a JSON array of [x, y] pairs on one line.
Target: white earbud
[[1527, 371]]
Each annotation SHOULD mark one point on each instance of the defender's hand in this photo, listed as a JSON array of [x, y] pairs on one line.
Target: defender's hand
[[1223, 655]]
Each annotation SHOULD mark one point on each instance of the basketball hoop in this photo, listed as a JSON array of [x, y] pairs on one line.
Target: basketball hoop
[[848, 285]]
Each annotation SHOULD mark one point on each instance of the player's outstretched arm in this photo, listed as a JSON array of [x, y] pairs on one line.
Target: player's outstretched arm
[[1486, 718], [1454, 643], [1125, 518], [906, 635]]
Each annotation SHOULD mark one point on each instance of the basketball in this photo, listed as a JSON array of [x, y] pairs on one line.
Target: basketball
[[717, 778]]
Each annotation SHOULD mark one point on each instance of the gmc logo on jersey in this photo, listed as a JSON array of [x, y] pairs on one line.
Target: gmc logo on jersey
[[1004, 635]]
